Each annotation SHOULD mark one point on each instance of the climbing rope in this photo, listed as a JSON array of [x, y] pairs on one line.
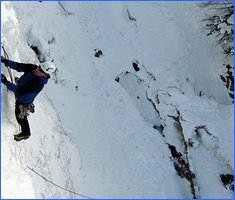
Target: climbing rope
[[58, 185]]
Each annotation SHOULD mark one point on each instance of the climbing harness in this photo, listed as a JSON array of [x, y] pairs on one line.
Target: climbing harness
[[26, 109]]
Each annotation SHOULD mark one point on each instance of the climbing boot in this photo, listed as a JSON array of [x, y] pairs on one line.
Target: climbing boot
[[21, 136]]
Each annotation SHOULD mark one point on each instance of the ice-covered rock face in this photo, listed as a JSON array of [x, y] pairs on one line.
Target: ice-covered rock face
[[136, 108]]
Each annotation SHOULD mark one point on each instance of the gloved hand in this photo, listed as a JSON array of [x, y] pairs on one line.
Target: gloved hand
[[3, 60], [4, 79]]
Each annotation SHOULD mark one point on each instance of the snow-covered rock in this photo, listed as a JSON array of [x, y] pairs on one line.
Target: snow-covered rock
[[104, 124]]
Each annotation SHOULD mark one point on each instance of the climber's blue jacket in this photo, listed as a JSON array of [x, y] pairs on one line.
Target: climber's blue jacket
[[28, 85]]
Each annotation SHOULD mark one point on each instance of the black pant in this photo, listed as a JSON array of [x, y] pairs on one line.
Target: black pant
[[25, 130]]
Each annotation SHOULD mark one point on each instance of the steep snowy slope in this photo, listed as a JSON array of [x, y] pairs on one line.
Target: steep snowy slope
[[135, 110], [49, 153]]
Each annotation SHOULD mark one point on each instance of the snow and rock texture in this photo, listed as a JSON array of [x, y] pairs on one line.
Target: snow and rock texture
[[135, 110]]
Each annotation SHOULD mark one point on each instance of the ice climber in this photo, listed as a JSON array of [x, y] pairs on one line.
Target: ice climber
[[27, 87]]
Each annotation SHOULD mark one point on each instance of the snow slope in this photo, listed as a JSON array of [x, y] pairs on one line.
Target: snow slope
[[102, 128]]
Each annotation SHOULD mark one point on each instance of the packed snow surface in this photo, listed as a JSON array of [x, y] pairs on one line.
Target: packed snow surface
[[132, 80]]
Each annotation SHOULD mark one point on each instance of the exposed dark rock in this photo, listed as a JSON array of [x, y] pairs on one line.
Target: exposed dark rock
[[98, 53], [135, 66], [40, 56], [117, 79], [130, 17], [35, 49], [174, 152], [228, 79], [181, 166], [159, 128], [228, 181], [183, 169]]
